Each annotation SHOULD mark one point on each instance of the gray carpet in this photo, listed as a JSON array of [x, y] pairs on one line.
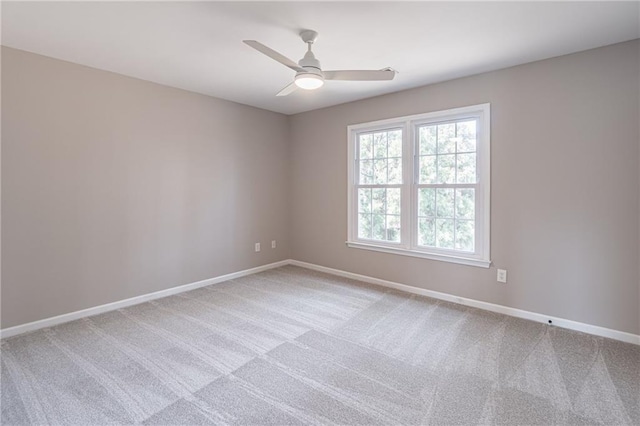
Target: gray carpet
[[293, 346]]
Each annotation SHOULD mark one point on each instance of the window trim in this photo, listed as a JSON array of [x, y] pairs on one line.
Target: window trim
[[408, 245]]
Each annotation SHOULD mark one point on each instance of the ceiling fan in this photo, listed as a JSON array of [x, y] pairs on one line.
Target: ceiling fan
[[309, 74]]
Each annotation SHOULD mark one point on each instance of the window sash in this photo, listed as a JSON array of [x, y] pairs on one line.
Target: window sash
[[358, 160], [415, 215], [404, 215]]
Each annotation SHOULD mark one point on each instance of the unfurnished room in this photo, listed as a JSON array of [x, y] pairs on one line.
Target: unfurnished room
[[323, 213]]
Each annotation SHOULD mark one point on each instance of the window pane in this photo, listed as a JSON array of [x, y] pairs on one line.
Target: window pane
[[379, 200], [393, 228], [427, 232], [366, 172], [393, 201], [395, 171], [446, 168], [379, 227], [427, 135], [364, 200], [364, 226], [366, 147], [446, 138], [466, 136], [380, 177], [444, 202], [444, 233], [428, 170], [380, 145], [427, 202], [465, 235], [465, 203], [466, 168], [395, 143]]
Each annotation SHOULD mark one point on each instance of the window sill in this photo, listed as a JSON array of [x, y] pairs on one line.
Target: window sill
[[404, 252]]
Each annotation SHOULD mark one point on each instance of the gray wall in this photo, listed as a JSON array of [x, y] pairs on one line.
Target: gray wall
[[114, 187], [565, 193]]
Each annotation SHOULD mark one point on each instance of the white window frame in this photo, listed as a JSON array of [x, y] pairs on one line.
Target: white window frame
[[409, 189]]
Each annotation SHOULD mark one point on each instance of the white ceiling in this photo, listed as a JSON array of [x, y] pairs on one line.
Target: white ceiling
[[198, 46]]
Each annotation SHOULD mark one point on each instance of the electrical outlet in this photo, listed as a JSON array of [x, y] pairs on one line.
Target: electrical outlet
[[502, 275], [273, 244], [257, 247]]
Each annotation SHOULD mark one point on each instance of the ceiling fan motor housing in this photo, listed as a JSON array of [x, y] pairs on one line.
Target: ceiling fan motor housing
[[310, 63], [311, 67]]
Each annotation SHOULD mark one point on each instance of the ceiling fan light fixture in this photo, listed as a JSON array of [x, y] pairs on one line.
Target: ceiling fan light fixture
[[309, 81]]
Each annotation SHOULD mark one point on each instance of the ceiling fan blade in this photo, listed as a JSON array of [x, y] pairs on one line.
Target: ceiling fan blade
[[291, 87], [273, 54], [360, 75]]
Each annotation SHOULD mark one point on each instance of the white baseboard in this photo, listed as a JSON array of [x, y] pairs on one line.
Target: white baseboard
[[50, 322], [518, 313]]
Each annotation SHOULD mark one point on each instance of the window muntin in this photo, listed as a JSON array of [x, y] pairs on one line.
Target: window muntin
[[419, 185]]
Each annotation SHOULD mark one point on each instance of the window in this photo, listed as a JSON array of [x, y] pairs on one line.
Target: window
[[419, 185]]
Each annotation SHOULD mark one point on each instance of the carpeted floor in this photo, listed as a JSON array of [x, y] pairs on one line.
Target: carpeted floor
[[293, 346]]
